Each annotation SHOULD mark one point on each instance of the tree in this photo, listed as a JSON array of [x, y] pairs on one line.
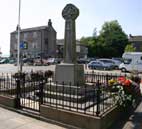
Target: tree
[[110, 43], [95, 32], [90, 42], [113, 39], [130, 48]]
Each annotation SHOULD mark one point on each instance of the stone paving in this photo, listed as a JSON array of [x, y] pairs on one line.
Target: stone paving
[[133, 122], [13, 120]]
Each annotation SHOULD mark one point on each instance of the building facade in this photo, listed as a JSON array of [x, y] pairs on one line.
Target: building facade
[[40, 41], [136, 42], [81, 49]]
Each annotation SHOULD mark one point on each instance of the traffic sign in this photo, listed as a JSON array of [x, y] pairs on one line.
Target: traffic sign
[[23, 45]]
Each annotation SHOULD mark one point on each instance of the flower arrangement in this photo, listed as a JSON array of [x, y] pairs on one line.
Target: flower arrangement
[[128, 90], [34, 76], [39, 75], [19, 75]]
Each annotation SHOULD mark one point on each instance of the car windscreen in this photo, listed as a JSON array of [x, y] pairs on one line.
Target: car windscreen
[[127, 61], [107, 61]]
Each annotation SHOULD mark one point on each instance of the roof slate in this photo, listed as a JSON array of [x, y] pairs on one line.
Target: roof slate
[[135, 38], [32, 29]]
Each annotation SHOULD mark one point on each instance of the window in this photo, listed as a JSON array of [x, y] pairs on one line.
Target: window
[[96, 63], [127, 61], [15, 46], [16, 36], [25, 35], [34, 45], [77, 48], [34, 34]]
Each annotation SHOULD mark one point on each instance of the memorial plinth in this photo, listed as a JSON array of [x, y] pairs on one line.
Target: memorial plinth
[[69, 73]]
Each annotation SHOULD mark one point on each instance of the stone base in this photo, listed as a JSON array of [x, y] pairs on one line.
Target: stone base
[[67, 73], [8, 101]]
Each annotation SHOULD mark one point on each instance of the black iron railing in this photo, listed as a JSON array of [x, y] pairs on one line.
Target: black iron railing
[[7, 85], [92, 98], [88, 99], [93, 77]]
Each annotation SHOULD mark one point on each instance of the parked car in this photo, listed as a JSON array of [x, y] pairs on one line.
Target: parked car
[[91, 59], [82, 61], [109, 62], [37, 62], [45, 62], [118, 59], [99, 65], [58, 60], [54, 60], [4, 61], [132, 62], [51, 61], [28, 61], [117, 62], [12, 61]]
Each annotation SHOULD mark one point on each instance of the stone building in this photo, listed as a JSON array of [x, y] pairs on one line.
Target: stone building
[[81, 49], [136, 42], [40, 41]]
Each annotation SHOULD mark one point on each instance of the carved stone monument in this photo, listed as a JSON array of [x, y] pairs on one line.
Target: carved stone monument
[[70, 71], [70, 13]]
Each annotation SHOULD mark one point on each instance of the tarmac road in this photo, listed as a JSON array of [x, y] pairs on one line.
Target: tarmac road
[[10, 68]]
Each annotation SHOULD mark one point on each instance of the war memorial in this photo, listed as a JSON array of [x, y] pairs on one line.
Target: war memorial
[[70, 95]]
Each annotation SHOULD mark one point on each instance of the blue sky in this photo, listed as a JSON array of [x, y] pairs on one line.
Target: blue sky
[[93, 14]]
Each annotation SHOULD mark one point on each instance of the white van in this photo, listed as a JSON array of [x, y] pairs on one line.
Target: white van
[[132, 62]]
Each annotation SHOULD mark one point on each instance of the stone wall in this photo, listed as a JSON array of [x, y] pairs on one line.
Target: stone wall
[[81, 120], [8, 101]]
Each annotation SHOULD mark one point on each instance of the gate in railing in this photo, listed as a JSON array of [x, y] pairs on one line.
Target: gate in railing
[[30, 94]]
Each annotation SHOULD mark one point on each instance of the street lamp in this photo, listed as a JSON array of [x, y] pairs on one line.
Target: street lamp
[[18, 39]]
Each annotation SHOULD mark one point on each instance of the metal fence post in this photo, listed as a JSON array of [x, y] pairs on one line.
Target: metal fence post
[[107, 78], [41, 92], [92, 79], [18, 94], [98, 98]]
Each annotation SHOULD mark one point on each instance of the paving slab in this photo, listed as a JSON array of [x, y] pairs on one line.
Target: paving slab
[[14, 120]]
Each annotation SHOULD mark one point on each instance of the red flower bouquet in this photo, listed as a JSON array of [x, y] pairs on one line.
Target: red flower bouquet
[[128, 90]]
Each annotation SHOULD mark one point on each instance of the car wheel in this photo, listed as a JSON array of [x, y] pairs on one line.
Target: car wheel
[[123, 69], [116, 67]]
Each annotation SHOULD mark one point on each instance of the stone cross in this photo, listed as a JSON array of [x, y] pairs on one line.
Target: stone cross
[[70, 13]]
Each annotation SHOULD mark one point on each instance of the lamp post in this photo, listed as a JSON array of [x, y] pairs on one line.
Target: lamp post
[[18, 39], [41, 60]]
